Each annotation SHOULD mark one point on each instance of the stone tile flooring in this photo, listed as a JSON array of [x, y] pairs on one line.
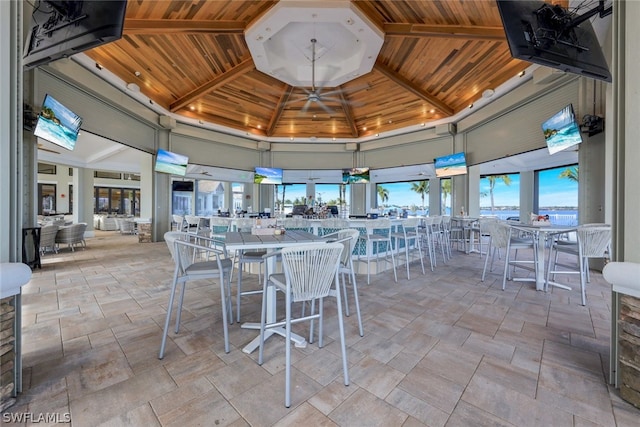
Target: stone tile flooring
[[443, 349]]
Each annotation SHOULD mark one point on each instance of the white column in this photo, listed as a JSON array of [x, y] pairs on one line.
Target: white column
[[83, 198]]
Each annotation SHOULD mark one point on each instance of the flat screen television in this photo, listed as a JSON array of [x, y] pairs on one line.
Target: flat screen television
[[555, 37], [168, 162], [182, 186], [61, 28], [355, 176], [561, 130], [450, 165], [267, 176], [58, 124]]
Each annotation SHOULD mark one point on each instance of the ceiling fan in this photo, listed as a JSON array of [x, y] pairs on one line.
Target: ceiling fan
[[314, 96]]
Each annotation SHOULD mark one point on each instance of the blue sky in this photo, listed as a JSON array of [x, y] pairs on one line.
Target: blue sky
[[554, 191]]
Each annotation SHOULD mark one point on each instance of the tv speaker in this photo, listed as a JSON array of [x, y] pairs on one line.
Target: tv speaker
[[167, 122], [446, 129]]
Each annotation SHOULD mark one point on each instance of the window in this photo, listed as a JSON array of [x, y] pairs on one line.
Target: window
[[47, 199], [445, 192], [46, 168], [114, 201], [500, 195], [209, 197], [558, 194], [408, 196], [107, 175]]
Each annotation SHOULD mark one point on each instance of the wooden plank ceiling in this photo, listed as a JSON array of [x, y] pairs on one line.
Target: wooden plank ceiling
[[192, 59]]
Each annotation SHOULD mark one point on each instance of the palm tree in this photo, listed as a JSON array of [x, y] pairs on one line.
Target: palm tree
[[422, 188], [445, 188], [492, 184], [572, 173], [383, 193]]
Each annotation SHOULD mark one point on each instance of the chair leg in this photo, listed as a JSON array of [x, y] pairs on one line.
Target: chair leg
[[168, 318], [287, 357], [179, 308], [343, 346], [355, 293], [225, 321], [583, 279], [239, 293]]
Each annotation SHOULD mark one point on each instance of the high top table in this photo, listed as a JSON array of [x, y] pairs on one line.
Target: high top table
[[239, 241], [540, 235]]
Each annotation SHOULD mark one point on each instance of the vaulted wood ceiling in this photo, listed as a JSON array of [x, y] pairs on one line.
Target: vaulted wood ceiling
[[190, 57]]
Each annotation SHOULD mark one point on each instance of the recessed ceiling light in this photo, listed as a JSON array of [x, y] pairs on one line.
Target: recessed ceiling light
[[290, 138], [137, 73], [192, 108], [98, 66], [470, 105], [522, 73]]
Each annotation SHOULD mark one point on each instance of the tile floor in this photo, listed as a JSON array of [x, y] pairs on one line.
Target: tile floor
[[443, 349]]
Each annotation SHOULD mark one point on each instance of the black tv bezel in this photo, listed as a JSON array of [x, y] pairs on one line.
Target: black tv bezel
[[99, 23], [590, 62]]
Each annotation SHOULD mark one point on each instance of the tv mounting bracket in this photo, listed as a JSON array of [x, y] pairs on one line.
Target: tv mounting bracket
[[556, 25]]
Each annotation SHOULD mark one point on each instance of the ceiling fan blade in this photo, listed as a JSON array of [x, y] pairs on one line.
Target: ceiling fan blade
[[326, 108], [305, 107]]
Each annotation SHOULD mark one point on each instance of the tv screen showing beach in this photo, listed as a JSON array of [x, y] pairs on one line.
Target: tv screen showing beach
[[450, 165], [168, 162], [267, 176], [57, 124], [561, 130], [355, 176]]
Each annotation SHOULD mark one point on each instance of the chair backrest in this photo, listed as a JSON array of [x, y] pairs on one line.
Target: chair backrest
[[378, 226], [48, 235], [484, 223], [170, 238], [192, 220], [594, 240], [500, 234], [219, 225], [349, 238], [410, 225], [310, 270]]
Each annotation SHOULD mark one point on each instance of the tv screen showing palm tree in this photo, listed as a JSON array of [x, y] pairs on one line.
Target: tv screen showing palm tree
[[355, 176], [450, 165], [168, 162], [267, 176], [561, 130]]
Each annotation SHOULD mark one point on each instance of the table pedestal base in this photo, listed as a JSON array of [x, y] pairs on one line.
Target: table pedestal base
[[298, 341]]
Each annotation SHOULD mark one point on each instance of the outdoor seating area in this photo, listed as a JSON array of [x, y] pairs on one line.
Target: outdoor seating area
[[440, 346]]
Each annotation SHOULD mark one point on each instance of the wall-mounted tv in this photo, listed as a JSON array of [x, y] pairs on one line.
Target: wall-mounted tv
[[554, 36], [450, 165], [182, 186], [267, 176], [58, 124], [63, 28], [168, 162], [561, 130], [355, 176]]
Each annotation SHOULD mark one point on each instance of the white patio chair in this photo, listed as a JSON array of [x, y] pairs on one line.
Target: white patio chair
[[408, 235], [215, 266], [594, 241], [310, 273], [349, 238], [377, 240], [501, 241]]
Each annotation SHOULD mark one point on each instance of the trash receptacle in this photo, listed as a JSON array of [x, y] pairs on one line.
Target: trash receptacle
[[31, 247]]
